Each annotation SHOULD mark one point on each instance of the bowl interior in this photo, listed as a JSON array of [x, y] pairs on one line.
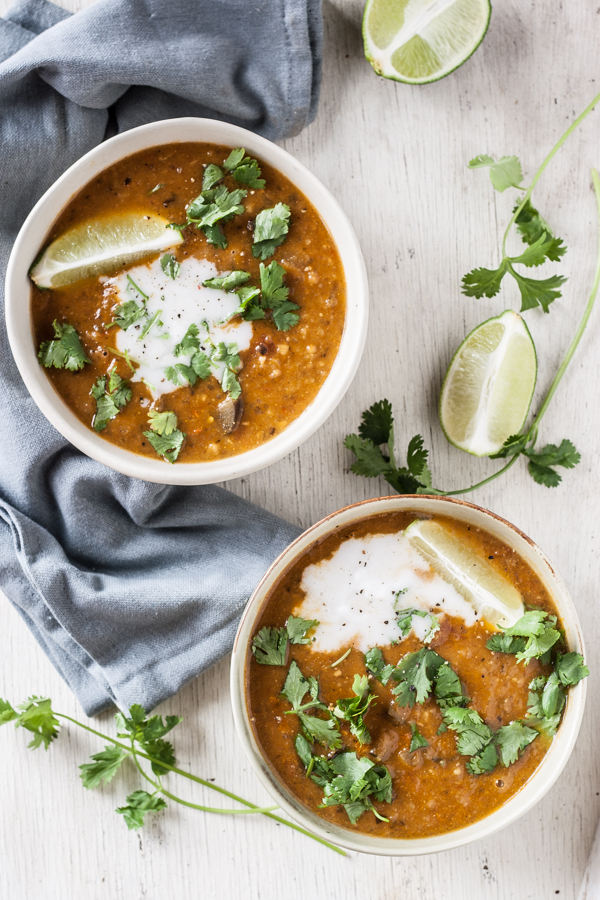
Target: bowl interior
[[555, 758], [33, 235]]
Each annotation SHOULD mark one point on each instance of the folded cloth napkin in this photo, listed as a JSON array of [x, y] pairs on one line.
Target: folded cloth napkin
[[131, 588]]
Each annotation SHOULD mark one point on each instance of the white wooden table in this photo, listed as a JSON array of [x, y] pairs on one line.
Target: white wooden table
[[395, 157]]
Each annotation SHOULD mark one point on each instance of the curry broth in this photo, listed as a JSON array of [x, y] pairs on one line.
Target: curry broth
[[282, 371], [432, 791]]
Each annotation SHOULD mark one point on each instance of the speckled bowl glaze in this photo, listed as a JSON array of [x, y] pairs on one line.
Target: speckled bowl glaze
[[554, 760], [33, 235]]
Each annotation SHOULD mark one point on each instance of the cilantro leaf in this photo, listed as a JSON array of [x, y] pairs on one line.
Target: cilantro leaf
[[65, 351], [109, 400], [275, 296], [540, 464], [538, 291], [570, 668], [376, 665], [483, 762], [285, 317], [231, 385], [404, 621], [36, 715], [473, 733], [537, 626], [512, 740], [377, 423], [270, 229], [415, 673], [269, 646], [417, 740], [531, 226], [212, 208], [244, 169], [7, 713], [354, 709], [370, 461], [296, 686], [447, 688], [229, 282], [139, 803], [190, 342], [325, 731], [503, 174], [505, 643], [165, 437], [104, 768], [353, 781], [234, 159], [127, 314], [297, 629], [538, 252], [170, 266], [484, 282], [213, 174], [512, 446]]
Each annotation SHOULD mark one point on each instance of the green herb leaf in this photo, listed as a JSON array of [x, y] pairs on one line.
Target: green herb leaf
[[269, 646], [296, 686], [570, 668], [354, 709], [170, 266], [324, 731], [532, 226], [234, 159], [109, 400], [375, 664], [36, 715], [165, 437], [139, 804], [540, 463], [104, 768], [229, 282], [275, 296], [297, 628], [484, 282], [244, 169], [447, 688], [415, 673], [513, 739], [127, 314], [473, 733], [503, 174], [538, 291], [377, 423], [405, 617], [65, 351], [7, 713], [504, 643], [417, 740], [483, 762], [271, 227], [512, 446], [162, 422], [213, 174], [190, 342]]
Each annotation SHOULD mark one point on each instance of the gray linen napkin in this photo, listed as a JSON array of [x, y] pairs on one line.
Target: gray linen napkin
[[131, 588]]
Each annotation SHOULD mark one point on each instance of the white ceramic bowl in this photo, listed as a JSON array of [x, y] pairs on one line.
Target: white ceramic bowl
[[33, 235], [554, 760]]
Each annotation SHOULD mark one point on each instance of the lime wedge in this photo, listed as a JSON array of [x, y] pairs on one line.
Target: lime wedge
[[418, 41], [102, 245], [490, 594], [489, 384]]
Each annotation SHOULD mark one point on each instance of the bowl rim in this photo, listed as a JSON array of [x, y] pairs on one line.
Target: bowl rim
[[34, 233], [553, 761]]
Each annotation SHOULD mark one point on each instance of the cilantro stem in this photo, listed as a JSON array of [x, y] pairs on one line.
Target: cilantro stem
[[137, 288], [207, 784], [211, 809], [481, 483], [573, 127]]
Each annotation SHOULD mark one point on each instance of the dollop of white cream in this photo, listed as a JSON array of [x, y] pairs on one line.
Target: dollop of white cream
[[352, 594], [182, 302]]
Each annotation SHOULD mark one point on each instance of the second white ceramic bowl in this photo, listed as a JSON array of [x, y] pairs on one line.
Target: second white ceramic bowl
[[33, 235], [552, 763]]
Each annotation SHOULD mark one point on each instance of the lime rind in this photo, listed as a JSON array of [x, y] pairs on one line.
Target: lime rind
[[101, 246], [490, 594], [487, 390], [421, 41]]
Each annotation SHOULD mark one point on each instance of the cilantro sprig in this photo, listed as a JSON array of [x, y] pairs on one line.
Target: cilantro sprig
[[111, 394], [270, 645], [354, 709], [272, 296], [164, 435], [270, 229], [317, 730], [141, 742], [65, 351]]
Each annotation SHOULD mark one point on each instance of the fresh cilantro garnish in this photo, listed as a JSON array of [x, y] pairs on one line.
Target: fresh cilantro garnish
[[512, 740], [405, 617], [230, 384], [417, 740], [213, 174], [376, 665], [484, 762], [170, 266], [127, 314], [323, 731], [354, 709], [473, 733], [65, 351], [110, 399], [165, 437], [545, 704], [540, 464], [354, 782], [503, 174], [229, 282], [571, 668], [145, 744], [269, 646], [298, 628], [212, 208], [415, 674], [532, 227], [537, 627], [374, 451], [275, 296], [447, 687], [270, 229], [244, 169], [104, 768], [138, 805]]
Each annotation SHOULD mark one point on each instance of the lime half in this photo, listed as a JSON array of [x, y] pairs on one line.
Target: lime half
[[488, 387], [491, 595], [102, 245], [418, 41]]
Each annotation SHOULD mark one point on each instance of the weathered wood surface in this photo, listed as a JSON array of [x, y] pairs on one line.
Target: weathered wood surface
[[395, 157]]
